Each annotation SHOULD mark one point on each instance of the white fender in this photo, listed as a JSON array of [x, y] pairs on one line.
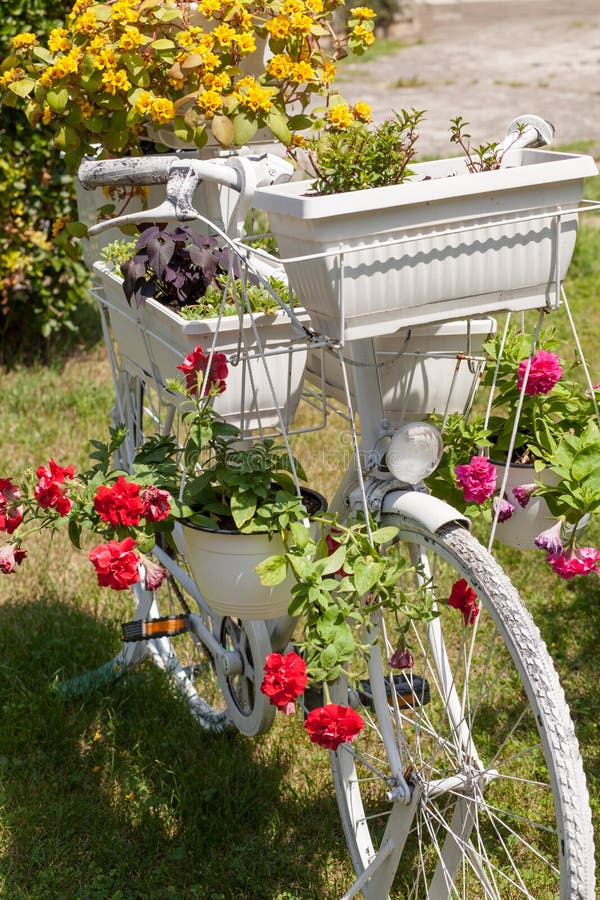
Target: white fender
[[423, 508]]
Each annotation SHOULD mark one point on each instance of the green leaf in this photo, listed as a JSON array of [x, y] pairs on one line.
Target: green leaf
[[276, 121], [332, 563], [272, 570], [384, 535], [162, 44], [244, 129], [23, 87], [243, 507], [366, 574]]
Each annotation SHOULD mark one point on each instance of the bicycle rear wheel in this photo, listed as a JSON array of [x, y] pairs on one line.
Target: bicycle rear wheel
[[480, 728]]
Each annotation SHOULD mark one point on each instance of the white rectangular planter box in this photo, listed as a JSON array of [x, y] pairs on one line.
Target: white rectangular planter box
[[446, 244], [153, 340], [419, 369]]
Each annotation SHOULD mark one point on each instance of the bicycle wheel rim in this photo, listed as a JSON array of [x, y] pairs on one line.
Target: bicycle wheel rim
[[522, 825]]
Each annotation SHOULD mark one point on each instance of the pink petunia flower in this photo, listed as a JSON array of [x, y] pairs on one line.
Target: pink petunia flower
[[544, 372], [402, 658], [522, 493], [550, 540], [10, 558], [154, 575], [506, 509], [477, 479], [156, 504], [575, 562]]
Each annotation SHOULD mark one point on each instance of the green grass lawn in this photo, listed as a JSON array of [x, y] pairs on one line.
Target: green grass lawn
[[120, 795]]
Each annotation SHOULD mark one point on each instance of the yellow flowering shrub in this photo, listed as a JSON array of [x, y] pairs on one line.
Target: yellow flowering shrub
[[117, 70]]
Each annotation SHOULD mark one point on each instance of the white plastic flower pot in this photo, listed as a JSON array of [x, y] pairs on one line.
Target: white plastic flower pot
[[527, 522], [223, 565], [421, 370], [153, 340], [441, 246]]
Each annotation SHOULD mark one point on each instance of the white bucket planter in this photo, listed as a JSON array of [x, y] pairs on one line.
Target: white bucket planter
[[453, 245], [223, 566], [420, 369], [153, 340]]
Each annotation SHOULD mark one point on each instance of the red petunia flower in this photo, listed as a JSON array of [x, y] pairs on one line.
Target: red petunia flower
[[285, 679], [196, 363], [544, 372], [51, 490], [119, 504], [10, 558], [464, 598], [156, 504], [116, 564], [332, 725]]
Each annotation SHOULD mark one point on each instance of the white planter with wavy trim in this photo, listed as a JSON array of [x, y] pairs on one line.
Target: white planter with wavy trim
[[443, 245], [152, 341], [422, 369]]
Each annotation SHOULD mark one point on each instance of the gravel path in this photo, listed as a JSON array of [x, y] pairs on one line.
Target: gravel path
[[490, 62]]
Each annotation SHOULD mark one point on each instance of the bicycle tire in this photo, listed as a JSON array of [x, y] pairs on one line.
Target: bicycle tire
[[528, 833]]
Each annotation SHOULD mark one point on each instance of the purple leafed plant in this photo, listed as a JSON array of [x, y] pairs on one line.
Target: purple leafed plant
[[175, 266]]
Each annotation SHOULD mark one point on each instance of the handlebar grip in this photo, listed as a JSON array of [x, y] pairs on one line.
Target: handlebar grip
[[133, 170]]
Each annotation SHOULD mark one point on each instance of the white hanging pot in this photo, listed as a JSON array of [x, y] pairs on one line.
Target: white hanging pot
[[223, 565], [421, 370], [526, 522], [443, 245]]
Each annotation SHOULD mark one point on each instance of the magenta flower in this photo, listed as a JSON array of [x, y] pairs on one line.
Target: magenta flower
[[522, 493], [550, 540], [506, 509], [156, 504], [575, 562], [477, 479], [10, 558], [11, 511], [545, 371]]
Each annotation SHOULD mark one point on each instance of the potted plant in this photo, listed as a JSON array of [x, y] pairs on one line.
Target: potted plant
[[445, 238], [175, 289], [123, 71], [549, 483]]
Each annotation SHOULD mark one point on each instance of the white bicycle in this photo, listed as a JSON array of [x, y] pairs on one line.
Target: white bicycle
[[467, 780]]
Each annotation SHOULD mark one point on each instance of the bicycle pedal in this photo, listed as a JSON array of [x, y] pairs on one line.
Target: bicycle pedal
[[145, 629], [411, 691]]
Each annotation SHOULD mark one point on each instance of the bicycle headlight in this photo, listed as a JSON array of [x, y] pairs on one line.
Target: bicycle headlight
[[414, 452]]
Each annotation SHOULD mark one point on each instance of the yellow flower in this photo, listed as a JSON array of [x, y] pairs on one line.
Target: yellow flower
[[131, 38], [208, 7], [187, 38], [143, 104], [115, 80], [58, 42], [289, 7], [362, 111], [97, 43], [24, 40], [329, 71], [219, 82], [162, 110], [209, 102], [105, 59], [363, 34], [339, 116], [67, 64], [302, 71], [278, 27], [280, 65], [224, 34], [86, 108], [315, 6], [78, 7], [86, 23], [11, 75], [130, 796], [124, 11], [97, 736], [251, 95], [362, 12], [47, 115], [301, 22], [245, 42]]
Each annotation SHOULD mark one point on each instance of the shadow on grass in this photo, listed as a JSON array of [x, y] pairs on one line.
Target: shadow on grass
[[122, 795]]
